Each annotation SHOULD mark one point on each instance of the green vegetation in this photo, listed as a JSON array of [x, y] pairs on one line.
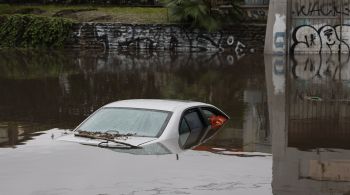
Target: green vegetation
[[93, 13], [33, 31], [50, 25], [97, 2], [195, 12], [137, 14], [200, 13]]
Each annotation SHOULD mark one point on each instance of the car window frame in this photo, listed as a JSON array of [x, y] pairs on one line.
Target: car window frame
[[207, 126], [214, 108]]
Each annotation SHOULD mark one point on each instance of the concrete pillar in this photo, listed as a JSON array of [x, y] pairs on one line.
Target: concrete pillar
[[276, 33], [275, 71]]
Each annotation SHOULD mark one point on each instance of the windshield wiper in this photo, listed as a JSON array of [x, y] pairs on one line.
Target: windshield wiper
[[107, 137]]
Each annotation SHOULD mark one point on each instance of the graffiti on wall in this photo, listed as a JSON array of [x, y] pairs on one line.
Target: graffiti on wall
[[320, 26], [322, 39], [320, 8], [279, 34], [157, 37], [256, 9], [257, 13]]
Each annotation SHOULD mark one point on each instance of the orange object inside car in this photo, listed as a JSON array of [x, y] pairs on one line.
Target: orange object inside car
[[217, 121]]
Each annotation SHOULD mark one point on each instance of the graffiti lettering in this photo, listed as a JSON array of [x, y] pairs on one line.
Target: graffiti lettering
[[325, 39], [143, 37], [279, 39], [240, 50], [257, 13], [316, 8], [230, 40], [279, 34]]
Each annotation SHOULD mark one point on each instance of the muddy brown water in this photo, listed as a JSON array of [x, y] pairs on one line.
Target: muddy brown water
[[295, 108], [43, 90]]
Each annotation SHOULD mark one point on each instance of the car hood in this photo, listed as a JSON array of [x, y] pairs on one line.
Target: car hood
[[130, 140]]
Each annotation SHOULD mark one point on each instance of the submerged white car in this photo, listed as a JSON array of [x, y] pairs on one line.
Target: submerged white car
[[148, 126]]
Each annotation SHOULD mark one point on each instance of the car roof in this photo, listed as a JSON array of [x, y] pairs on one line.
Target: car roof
[[154, 104]]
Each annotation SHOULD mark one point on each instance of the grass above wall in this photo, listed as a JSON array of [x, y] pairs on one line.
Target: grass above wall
[[33, 31], [48, 26], [91, 13]]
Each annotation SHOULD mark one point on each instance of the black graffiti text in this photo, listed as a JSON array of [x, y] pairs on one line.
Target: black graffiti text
[[316, 8]]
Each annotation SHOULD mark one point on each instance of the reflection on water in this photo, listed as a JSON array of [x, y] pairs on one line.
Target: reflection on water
[[309, 118], [58, 89], [319, 102], [301, 103], [13, 133]]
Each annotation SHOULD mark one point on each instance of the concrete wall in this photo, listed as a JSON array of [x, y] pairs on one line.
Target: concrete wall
[[308, 26], [321, 171], [242, 39], [320, 26]]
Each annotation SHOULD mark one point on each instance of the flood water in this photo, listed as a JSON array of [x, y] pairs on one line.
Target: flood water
[[296, 108], [42, 90]]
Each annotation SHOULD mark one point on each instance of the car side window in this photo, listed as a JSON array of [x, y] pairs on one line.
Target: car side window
[[191, 128]]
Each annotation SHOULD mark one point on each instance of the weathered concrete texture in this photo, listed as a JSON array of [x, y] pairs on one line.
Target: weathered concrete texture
[[240, 39]]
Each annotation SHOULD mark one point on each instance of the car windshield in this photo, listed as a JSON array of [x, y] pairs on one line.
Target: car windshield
[[138, 122]]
